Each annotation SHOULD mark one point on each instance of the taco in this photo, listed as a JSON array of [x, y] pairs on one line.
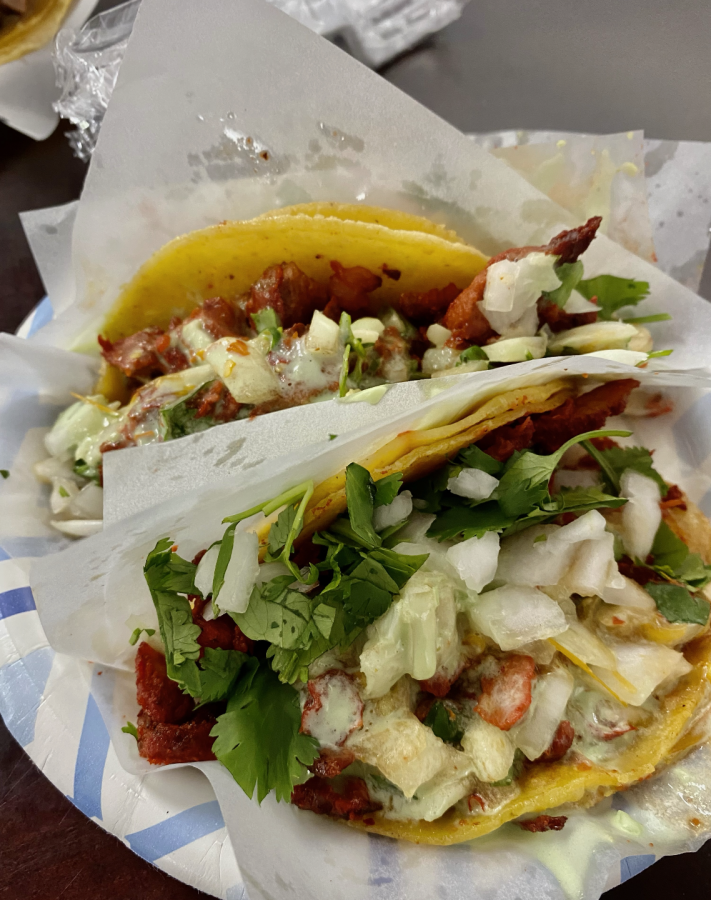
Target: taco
[[312, 302], [480, 623], [27, 25]]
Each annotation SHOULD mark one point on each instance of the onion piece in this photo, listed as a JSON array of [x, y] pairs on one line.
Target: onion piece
[[78, 527], [594, 567], [205, 572], [516, 349], [513, 616], [525, 558], [631, 594], [476, 560], [590, 338], [641, 515], [473, 483], [640, 668], [393, 513], [533, 735], [491, 749], [241, 573]]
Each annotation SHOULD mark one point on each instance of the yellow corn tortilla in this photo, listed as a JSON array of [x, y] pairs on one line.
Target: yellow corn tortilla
[[355, 212], [548, 785], [23, 34], [225, 260]]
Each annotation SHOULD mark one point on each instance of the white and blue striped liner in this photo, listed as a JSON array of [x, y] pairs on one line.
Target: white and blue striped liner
[[172, 818]]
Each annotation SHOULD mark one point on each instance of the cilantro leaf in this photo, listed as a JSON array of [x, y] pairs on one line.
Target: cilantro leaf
[[399, 566], [465, 522], [677, 604], [673, 559], [130, 728], [614, 461], [220, 670], [569, 275], [524, 483], [258, 739], [429, 491], [470, 354], [613, 293], [84, 470], [360, 500], [179, 420], [474, 458], [279, 531], [443, 720], [386, 490], [168, 576], [136, 633]]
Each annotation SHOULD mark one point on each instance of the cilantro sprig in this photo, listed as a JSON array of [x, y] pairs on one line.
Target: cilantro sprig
[[569, 275], [522, 497], [615, 460], [258, 738], [171, 579], [613, 293]]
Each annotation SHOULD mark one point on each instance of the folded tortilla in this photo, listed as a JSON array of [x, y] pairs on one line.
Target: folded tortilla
[[226, 259], [24, 33], [682, 722]]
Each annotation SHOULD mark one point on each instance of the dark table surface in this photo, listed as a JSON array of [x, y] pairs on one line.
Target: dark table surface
[[602, 66]]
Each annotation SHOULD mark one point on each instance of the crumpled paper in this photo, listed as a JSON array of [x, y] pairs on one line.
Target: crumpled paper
[[86, 594], [601, 174], [87, 62]]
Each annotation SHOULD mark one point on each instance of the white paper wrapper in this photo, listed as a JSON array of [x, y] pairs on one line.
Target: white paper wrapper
[[27, 85], [333, 131], [86, 593], [602, 174]]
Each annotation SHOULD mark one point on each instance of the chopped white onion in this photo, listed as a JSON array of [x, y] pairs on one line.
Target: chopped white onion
[[78, 527], [323, 336], [63, 492], [205, 572], [594, 567], [526, 559], [533, 735], [588, 527], [417, 526], [514, 616], [88, 503], [593, 337], [476, 560], [641, 515], [516, 349], [438, 358], [241, 573], [473, 483], [393, 513], [438, 335], [630, 594], [584, 645], [491, 749], [243, 367], [576, 304], [644, 666], [512, 290]]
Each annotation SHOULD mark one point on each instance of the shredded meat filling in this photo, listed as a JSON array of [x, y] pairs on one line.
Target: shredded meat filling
[[466, 321], [319, 795]]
